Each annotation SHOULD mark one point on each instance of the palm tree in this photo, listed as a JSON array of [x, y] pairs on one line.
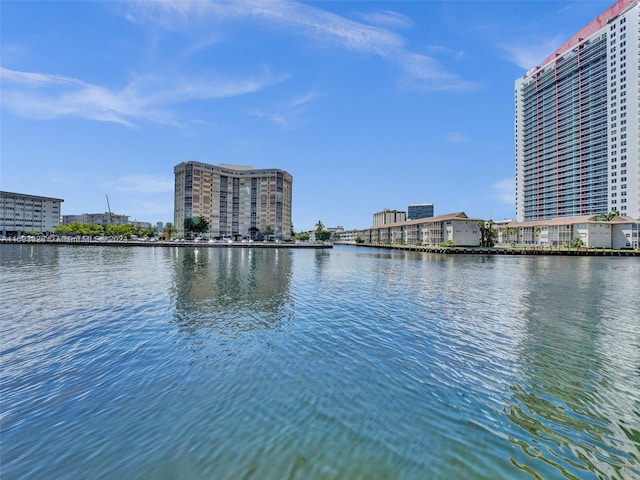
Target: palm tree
[[189, 226], [508, 231], [267, 232], [608, 216], [536, 233], [487, 233]]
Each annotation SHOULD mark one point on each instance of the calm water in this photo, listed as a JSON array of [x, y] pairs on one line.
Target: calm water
[[351, 363]]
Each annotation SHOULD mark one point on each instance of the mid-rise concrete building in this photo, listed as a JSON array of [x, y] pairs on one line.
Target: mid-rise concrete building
[[105, 218], [388, 216], [21, 213], [237, 201], [577, 122], [419, 210]]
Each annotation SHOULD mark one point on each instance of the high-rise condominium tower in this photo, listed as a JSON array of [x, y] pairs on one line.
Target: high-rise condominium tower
[[576, 125], [238, 202]]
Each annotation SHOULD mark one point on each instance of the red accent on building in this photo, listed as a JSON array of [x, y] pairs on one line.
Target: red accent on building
[[601, 21]]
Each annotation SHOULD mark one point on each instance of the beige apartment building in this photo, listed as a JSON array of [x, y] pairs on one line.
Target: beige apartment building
[[238, 202]]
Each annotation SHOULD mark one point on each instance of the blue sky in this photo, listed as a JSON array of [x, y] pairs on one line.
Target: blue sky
[[369, 105]]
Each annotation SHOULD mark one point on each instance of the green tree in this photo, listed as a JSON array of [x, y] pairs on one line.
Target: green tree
[[508, 232], [487, 233], [200, 225], [189, 226], [607, 217], [536, 234], [302, 236], [321, 233], [576, 242], [125, 230], [167, 231], [267, 232], [80, 229]]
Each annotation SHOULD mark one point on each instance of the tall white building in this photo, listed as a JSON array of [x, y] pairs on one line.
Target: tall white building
[[577, 123], [20, 213], [237, 201]]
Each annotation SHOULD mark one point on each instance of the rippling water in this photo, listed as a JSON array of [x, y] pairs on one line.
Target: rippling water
[[349, 363]]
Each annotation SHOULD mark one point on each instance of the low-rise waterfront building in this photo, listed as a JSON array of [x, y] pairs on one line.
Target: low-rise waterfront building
[[452, 228], [21, 213], [620, 232]]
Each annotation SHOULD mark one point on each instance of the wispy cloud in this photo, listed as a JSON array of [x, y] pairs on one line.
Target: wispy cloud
[[457, 137], [419, 70], [304, 98], [141, 184], [387, 18], [505, 191], [276, 118], [445, 51], [144, 98], [531, 54]]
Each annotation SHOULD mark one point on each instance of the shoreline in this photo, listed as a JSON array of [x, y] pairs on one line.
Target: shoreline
[[186, 243], [505, 251]]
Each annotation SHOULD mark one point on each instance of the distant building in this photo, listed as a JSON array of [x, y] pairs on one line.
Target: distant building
[[388, 216], [105, 218], [135, 223], [21, 213], [237, 201], [349, 235], [577, 120], [419, 210]]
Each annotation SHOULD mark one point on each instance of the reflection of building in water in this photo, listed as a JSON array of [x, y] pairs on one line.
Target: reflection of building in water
[[237, 201], [567, 398], [232, 290]]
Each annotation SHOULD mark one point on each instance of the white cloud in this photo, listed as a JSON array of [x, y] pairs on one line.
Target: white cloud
[[45, 96], [505, 191]]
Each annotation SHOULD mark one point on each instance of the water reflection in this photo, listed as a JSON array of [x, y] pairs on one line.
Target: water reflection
[[231, 290], [566, 400]]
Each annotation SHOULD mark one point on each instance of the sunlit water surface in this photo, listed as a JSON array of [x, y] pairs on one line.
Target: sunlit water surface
[[350, 363]]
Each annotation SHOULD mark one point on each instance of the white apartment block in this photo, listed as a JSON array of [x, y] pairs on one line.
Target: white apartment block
[[105, 218], [21, 213], [577, 123], [237, 201]]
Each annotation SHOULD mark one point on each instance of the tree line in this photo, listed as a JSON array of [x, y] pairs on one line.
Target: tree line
[[90, 230]]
